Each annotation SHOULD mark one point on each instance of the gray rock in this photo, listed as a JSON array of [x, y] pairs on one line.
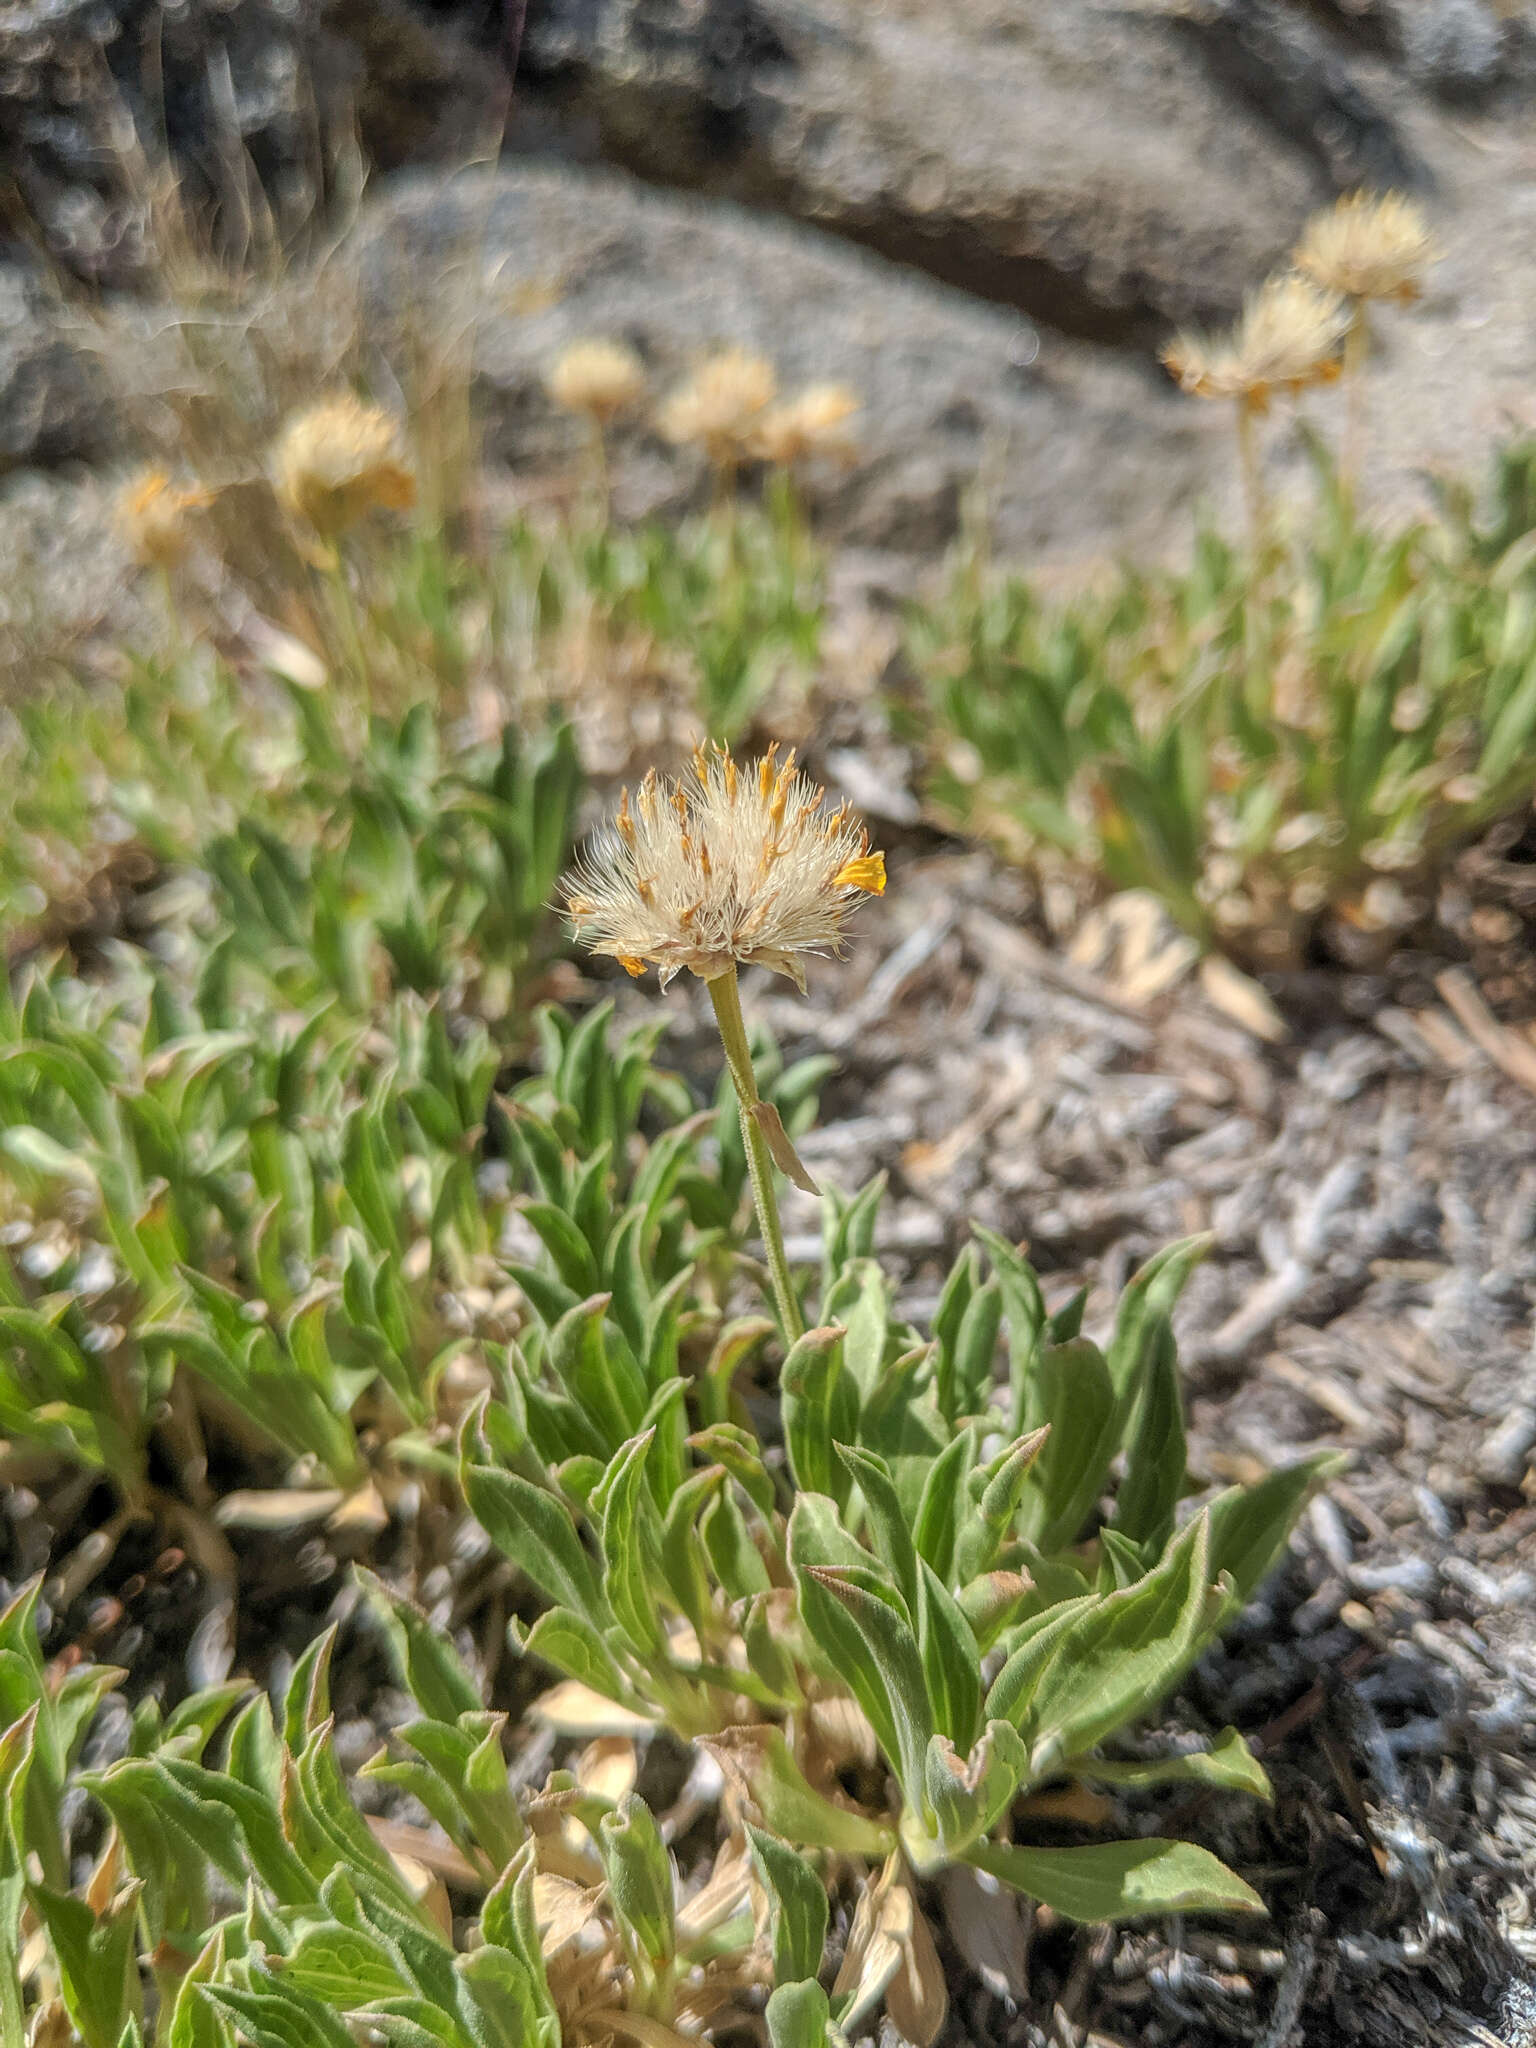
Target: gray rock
[[54, 406], [1079, 162], [1071, 447], [95, 92]]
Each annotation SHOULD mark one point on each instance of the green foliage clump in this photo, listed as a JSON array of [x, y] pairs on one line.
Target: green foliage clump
[[940, 1589], [923, 1524], [1280, 744]]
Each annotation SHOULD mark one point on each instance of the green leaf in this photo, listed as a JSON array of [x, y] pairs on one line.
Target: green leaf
[[640, 1881], [532, 1527], [274, 2014], [1120, 1880], [891, 1537], [797, 1906], [344, 1966], [937, 1524], [758, 1761], [798, 2016], [1229, 1764], [429, 1666], [1116, 1657], [868, 1638], [1002, 1486], [967, 1798], [1024, 1311], [1155, 1461], [633, 1574], [1250, 1524], [1145, 1307], [96, 1958], [819, 1406], [951, 1660], [570, 1644], [1073, 1395]]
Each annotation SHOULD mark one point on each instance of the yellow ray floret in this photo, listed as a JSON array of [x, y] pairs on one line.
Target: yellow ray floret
[[723, 867]]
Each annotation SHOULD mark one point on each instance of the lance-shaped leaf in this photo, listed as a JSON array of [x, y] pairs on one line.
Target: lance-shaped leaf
[[640, 1883], [797, 1907], [1229, 1764], [532, 1527], [864, 1630], [429, 1666], [999, 1489], [97, 1960], [1120, 1880], [1075, 1398], [1155, 1460], [819, 1405], [634, 1577], [1119, 1655], [1249, 1524]]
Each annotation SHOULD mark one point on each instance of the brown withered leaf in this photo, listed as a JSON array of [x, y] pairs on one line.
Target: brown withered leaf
[[785, 1157]]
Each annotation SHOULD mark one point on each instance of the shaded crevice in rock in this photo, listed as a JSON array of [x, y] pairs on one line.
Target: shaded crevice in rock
[[1273, 60], [1077, 165]]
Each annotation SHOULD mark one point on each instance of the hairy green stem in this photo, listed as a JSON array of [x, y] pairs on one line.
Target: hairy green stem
[[1357, 347], [1253, 480], [723, 993]]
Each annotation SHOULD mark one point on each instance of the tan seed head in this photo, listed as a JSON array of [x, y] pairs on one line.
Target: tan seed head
[[341, 459], [1288, 337], [1368, 246], [731, 863], [807, 425], [720, 405], [599, 379]]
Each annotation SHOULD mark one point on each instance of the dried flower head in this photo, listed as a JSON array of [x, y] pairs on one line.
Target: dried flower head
[[720, 405], [1288, 337], [599, 379], [809, 424], [155, 516], [1368, 246], [727, 864], [338, 460]]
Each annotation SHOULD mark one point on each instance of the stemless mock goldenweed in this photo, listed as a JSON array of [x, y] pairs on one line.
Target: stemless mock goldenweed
[[1368, 246], [155, 517], [809, 424], [1288, 337], [340, 459], [720, 405], [730, 865], [598, 379]]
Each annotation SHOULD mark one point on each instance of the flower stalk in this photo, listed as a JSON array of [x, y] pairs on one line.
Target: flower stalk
[[725, 996]]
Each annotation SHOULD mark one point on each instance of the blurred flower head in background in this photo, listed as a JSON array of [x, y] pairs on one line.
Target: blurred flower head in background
[[155, 517], [721, 405], [339, 460], [807, 425], [1368, 246], [1288, 337], [599, 379]]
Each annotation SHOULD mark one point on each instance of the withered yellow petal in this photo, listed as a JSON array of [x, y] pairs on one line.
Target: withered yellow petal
[[866, 873]]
